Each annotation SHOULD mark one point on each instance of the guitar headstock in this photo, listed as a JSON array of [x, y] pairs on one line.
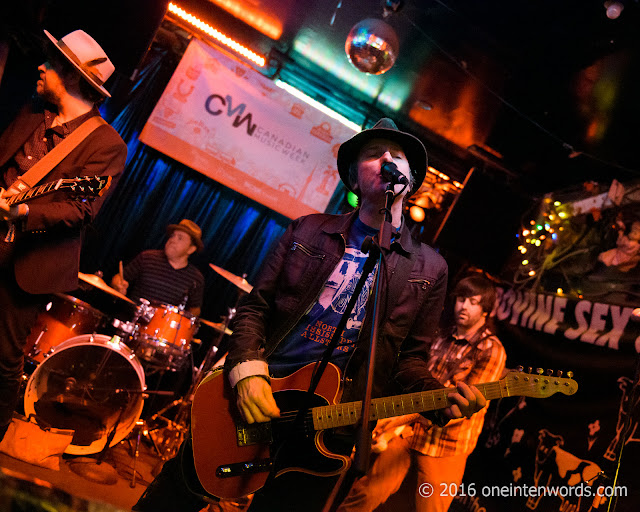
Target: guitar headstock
[[540, 384], [88, 186]]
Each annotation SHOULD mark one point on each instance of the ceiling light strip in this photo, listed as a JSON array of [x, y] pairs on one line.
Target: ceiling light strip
[[217, 35], [269, 25], [317, 105]]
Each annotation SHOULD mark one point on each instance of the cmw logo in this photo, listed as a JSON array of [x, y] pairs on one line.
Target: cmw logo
[[212, 103]]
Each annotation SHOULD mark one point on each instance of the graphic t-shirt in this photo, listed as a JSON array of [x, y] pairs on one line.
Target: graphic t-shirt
[[307, 341]]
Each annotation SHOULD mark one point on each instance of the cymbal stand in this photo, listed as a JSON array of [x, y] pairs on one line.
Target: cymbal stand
[[179, 426], [141, 429]]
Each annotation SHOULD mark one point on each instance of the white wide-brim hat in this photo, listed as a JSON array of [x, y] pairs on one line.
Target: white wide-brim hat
[[87, 56]]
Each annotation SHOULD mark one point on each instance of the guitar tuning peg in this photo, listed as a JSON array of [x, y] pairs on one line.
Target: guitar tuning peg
[[539, 371], [549, 373], [520, 368], [570, 374], [560, 372], [529, 369]]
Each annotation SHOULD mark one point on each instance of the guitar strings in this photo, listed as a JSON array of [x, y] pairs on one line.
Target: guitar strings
[[287, 417]]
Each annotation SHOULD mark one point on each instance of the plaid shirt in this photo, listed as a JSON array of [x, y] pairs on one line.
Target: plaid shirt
[[479, 359]]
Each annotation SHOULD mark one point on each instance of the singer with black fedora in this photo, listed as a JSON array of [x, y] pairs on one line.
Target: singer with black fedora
[[297, 304], [59, 135]]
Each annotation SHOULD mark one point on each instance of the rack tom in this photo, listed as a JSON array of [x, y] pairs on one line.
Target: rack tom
[[164, 335]]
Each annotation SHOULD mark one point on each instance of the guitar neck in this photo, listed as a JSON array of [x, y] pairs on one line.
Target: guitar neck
[[515, 383], [34, 192], [86, 187], [340, 415]]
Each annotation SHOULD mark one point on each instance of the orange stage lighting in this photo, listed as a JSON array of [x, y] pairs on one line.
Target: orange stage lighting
[[263, 22], [217, 35]]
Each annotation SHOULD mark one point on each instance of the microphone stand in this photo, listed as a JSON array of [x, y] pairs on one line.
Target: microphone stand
[[363, 441]]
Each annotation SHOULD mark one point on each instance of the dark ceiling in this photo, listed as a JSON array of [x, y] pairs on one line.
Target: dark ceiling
[[549, 87], [546, 89], [542, 92]]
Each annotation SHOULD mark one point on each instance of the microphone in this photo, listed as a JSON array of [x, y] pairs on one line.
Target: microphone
[[391, 174]]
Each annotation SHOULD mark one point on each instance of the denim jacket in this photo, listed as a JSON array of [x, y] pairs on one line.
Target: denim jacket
[[292, 279]]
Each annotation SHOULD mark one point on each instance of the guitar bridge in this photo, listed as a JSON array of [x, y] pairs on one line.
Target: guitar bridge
[[244, 468], [256, 433]]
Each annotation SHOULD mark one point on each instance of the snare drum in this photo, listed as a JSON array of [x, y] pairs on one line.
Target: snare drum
[[92, 384], [164, 336], [64, 317]]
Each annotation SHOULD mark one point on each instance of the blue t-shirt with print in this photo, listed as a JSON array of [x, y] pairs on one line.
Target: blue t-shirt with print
[[307, 341]]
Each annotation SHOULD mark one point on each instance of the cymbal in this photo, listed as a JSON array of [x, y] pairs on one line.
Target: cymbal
[[99, 283], [240, 282], [218, 327]]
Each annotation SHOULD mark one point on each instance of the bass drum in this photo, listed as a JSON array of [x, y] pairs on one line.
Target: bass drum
[[92, 384]]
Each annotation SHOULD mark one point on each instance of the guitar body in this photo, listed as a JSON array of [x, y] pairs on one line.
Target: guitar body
[[6, 248], [217, 428]]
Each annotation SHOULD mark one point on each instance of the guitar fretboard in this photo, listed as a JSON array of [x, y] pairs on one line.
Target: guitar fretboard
[[35, 191], [340, 415], [514, 384]]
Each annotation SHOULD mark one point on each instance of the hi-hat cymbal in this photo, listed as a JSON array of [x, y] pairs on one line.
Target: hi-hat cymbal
[[217, 326], [99, 283], [240, 282]]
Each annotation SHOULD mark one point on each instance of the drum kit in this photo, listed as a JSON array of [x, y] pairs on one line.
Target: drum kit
[[88, 369]]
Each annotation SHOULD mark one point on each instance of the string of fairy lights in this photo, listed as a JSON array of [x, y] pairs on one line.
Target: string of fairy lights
[[540, 237]]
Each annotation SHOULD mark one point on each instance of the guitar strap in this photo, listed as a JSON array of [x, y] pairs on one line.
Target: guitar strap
[[44, 166], [397, 283]]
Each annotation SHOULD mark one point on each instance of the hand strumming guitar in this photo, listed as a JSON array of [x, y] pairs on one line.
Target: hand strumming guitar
[[255, 400], [14, 212]]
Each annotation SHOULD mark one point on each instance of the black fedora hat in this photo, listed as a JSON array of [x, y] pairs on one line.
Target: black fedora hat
[[385, 128]]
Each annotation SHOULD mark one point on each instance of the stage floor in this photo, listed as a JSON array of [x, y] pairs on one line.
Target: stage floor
[[32, 488]]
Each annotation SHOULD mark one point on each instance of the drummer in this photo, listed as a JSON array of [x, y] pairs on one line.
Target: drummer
[[166, 276]]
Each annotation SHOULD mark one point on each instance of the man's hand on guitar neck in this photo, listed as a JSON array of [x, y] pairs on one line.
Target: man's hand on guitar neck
[[11, 212], [255, 400], [465, 403]]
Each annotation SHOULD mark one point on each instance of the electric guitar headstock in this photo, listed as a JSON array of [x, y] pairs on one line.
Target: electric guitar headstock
[[540, 384], [87, 186]]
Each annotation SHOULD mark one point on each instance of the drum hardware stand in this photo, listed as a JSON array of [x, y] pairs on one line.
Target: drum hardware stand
[[179, 426], [141, 429]]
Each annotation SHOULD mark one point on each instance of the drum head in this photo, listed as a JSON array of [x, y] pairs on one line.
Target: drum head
[[89, 384]]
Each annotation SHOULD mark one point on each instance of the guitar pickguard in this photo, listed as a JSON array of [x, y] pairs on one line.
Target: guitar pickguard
[[301, 448], [227, 468]]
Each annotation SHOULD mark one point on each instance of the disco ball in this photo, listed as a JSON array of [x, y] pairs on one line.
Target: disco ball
[[372, 46]]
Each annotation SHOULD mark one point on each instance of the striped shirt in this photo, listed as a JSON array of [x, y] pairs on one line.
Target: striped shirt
[[151, 277], [480, 359]]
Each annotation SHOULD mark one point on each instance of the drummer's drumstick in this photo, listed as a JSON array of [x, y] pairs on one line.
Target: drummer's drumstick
[[121, 271]]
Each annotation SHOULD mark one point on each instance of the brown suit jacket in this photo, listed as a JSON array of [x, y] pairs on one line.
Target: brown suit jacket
[[47, 252]]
